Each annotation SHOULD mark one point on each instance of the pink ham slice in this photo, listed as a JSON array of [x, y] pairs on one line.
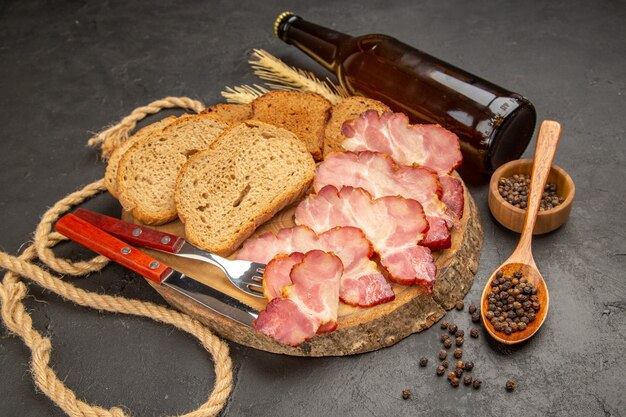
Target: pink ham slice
[[426, 145], [453, 195], [276, 275], [394, 225], [362, 284], [310, 302], [377, 174]]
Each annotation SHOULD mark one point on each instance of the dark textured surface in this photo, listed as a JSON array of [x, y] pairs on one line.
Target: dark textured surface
[[69, 68]]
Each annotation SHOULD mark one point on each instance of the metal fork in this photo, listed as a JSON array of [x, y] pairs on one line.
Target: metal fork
[[245, 275]]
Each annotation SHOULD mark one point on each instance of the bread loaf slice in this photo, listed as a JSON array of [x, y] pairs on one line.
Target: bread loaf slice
[[348, 109], [302, 113], [110, 174], [147, 172], [230, 113], [247, 175]]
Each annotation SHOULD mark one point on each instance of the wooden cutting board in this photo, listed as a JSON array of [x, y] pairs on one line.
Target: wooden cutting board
[[359, 329]]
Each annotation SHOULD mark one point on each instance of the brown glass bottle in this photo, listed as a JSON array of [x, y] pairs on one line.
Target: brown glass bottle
[[493, 124]]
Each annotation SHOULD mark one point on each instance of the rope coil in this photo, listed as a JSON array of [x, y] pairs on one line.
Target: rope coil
[[13, 290]]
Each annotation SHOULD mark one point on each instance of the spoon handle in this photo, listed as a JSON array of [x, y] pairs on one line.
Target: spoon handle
[[547, 141]]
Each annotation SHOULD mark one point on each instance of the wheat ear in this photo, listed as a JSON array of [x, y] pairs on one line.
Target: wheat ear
[[281, 77]]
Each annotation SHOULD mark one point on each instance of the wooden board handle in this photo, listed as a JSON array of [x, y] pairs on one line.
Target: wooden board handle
[[105, 244], [132, 233]]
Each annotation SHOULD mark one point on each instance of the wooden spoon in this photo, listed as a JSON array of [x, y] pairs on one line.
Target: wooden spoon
[[522, 258]]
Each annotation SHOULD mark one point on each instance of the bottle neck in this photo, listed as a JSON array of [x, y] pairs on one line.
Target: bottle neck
[[320, 43]]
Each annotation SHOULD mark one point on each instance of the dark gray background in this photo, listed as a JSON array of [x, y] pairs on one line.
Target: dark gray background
[[70, 68]]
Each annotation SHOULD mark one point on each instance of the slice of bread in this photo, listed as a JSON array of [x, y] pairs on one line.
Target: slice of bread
[[247, 175], [110, 174], [230, 113], [146, 174], [302, 113], [348, 109]]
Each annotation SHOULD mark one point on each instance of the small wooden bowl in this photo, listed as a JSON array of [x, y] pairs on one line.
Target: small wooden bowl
[[512, 217]]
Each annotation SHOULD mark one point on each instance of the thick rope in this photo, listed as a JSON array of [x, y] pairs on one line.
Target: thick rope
[[18, 321]]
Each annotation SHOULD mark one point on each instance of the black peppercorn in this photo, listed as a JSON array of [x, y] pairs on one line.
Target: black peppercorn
[[510, 385], [447, 343], [459, 364], [444, 324], [451, 375], [443, 354], [406, 394], [460, 341], [444, 364], [469, 365], [452, 328], [474, 332], [440, 370], [458, 353], [423, 362], [455, 382], [499, 274], [460, 305], [476, 317], [458, 372], [476, 383], [443, 337], [467, 380], [460, 333], [472, 307]]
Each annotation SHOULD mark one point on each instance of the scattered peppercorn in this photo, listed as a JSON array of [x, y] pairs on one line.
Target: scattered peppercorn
[[459, 333], [452, 328], [406, 394], [510, 385], [455, 382], [460, 305], [476, 383], [460, 341], [458, 353], [444, 324], [423, 362], [472, 308], [475, 317], [459, 364], [515, 191], [444, 364], [443, 337], [458, 372], [474, 333], [447, 343], [440, 370], [469, 365], [467, 380], [512, 303], [443, 354], [451, 375]]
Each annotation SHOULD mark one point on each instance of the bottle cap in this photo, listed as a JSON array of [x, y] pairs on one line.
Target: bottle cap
[[280, 20]]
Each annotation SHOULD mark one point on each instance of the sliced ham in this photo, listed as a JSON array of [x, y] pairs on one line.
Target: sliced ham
[[453, 195], [395, 225], [311, 300], [362, 284], [276, 275], [378, 174], [426, 145]]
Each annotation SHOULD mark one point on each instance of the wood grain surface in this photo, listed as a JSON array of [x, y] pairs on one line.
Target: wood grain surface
[[359, 329]]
